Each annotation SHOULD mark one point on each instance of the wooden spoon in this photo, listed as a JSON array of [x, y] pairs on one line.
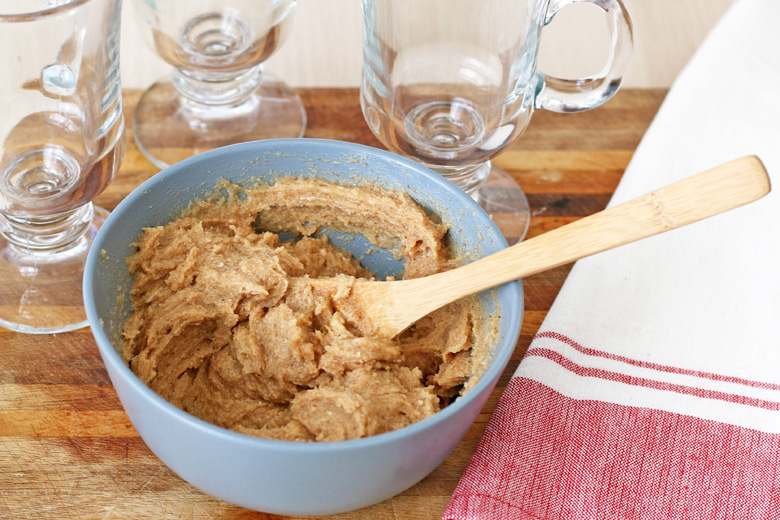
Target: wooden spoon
[[388, 308]]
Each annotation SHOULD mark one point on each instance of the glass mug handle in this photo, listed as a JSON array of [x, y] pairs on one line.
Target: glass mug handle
[[565, 95]]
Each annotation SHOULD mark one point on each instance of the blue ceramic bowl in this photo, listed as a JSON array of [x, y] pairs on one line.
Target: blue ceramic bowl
[[278, 476]]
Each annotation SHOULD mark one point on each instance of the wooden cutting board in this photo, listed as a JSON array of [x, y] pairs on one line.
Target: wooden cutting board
[[67, 449]]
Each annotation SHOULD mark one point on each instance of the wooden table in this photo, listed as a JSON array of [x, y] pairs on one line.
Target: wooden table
[[67, 449]]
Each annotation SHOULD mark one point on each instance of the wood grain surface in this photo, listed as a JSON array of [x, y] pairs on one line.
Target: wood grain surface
[[67, 449]]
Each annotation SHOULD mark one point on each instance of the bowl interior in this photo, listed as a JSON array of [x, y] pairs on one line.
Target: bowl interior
[[159, 200]]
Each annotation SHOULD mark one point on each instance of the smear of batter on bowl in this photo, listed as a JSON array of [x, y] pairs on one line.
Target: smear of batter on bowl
[[222, 326]]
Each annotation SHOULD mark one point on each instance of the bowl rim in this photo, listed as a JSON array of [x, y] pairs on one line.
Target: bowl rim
[[111, 355]]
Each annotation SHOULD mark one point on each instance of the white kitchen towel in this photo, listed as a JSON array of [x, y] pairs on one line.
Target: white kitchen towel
[[652, 390]]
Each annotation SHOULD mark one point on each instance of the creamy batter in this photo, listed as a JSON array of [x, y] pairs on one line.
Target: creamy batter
[[224, 326]]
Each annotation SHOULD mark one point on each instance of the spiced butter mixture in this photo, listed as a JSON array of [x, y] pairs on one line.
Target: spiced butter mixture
[[225, 327]]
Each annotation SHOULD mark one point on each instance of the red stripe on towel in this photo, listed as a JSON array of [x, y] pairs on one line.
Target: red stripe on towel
[[655, 366], [600, 373], [545, 456]]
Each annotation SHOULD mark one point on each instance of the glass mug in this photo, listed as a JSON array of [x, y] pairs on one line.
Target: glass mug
[[61, 142], [450, 83], [218, 92]]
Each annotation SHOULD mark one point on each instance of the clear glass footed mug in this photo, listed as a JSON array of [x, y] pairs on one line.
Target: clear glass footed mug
[[218, 92], [451, 83], [61, 142]]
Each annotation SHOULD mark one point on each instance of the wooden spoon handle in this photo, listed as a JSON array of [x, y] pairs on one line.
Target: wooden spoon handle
[[703, 195]]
